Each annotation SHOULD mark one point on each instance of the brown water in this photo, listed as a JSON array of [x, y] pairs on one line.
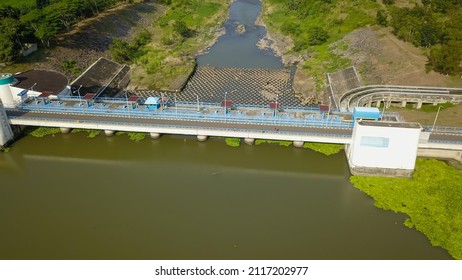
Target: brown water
[[71, 197]]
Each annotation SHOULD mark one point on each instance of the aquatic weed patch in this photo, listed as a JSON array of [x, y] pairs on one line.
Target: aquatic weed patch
[[279, 142], [432, 199], [92, 133], [233, 142], [323, 148], [44, 131]]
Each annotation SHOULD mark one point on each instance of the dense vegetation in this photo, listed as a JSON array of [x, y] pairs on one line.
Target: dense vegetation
[[33, 21], [313, 25], [432, 199], [163, 55], [435, 25]]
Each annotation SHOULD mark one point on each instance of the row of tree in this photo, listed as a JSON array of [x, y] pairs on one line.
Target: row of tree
[[435, 25], [42, 22]]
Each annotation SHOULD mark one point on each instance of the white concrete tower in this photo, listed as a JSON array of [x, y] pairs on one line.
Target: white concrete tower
[[6, 134], [6, 96]]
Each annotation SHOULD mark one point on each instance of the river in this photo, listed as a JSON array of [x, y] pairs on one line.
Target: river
[[67, 196]]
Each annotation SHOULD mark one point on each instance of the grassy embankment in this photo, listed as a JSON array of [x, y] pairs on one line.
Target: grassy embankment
[[432, 199], [169, 58], [301, 26]]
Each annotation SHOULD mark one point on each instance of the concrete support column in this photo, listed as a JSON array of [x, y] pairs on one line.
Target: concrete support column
[[249, 141], [109, 132], [403, 103], [378, 103], [202, 138], [298, 144], [6, 133], [419, 104], [155, 135], [65, 130]]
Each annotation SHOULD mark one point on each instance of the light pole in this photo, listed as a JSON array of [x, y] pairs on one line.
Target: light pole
[[226, 104], [32, 87], [128, 109], [198, 109], [436, 117], [176, 108], [383, 111], [80, 97], [328, 110]]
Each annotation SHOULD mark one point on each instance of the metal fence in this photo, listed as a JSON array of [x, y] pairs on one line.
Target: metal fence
[[205, 113]]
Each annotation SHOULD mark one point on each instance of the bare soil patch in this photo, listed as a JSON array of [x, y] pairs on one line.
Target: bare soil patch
[[381, 58]]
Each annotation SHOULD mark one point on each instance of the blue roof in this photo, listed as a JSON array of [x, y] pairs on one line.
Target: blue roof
[[152, 101], [366, 110]]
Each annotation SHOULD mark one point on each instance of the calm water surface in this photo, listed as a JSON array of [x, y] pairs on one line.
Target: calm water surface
[[71, 197]]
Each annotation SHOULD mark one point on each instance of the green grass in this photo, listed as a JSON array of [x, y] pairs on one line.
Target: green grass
[[338, 18], [432, 199], [434, 108], [168, 60], [18, 4]]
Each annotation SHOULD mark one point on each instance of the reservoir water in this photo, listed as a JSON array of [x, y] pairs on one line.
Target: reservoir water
[[66, 196], [71, 197]]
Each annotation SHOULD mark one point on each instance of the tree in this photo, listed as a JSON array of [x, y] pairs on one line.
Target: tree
[[181, 28], [446, 59], [9, 46], [42, 3], [381, 18], [317, 36], [120, 51]]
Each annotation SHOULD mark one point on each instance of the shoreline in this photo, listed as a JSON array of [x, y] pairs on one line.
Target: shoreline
[[303, 83]]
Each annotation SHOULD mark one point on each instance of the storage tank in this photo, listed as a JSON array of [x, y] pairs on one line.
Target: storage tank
[[5, 91]]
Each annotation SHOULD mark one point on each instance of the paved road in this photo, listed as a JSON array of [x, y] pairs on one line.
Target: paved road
[[184, 123], [342, 132]]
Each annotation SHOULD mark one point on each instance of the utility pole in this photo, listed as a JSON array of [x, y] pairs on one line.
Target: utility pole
[[436, 117]]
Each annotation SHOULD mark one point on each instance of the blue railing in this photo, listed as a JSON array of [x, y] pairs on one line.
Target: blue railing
[[184, 113]]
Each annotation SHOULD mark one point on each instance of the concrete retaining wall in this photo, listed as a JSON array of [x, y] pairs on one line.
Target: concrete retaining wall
[[440, 153]]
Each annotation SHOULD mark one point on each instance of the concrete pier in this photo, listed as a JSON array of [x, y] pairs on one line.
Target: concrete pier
[[108, 132], [249, 141], [298, 144], [155, 135], [6, 133], [65, 130], [202, 138]]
